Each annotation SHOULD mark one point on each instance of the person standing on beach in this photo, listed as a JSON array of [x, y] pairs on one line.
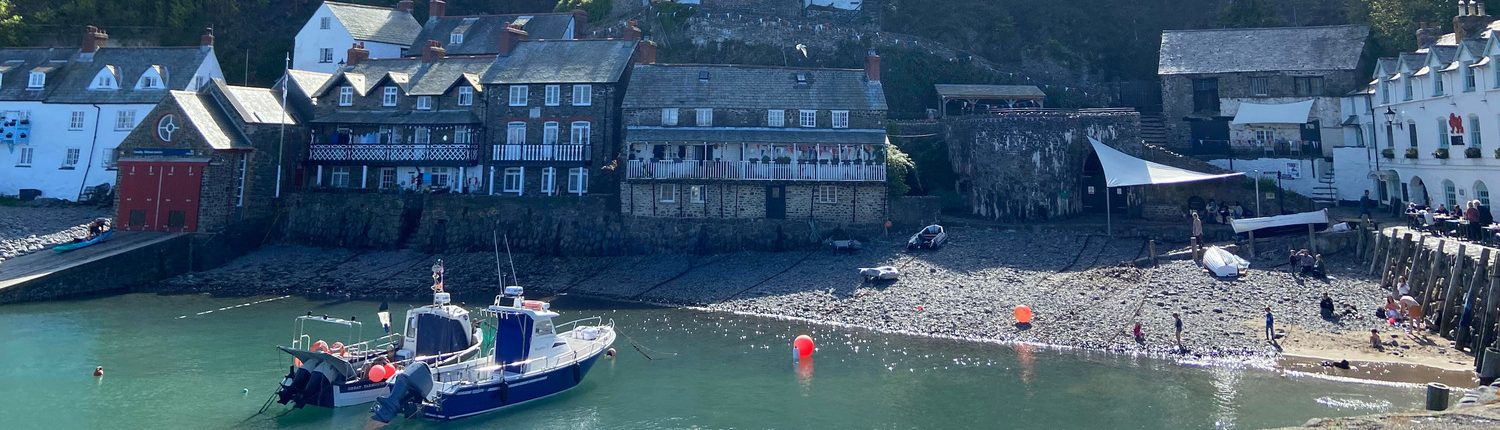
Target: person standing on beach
[[1177, 324], [1270, 325], [1197, 229]]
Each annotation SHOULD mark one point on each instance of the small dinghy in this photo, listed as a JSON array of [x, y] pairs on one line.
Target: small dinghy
[[84, 243], [1224, 264], [882, 273], [930, 237]]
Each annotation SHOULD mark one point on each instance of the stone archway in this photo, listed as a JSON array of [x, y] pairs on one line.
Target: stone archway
[[1416, 192]]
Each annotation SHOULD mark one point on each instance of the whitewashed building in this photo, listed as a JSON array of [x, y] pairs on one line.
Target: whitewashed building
[[64, 110], [1429, 114], [323, 43]]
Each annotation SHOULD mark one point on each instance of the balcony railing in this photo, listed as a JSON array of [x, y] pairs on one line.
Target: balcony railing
[[541, 152], [749, 171], [391, 153]]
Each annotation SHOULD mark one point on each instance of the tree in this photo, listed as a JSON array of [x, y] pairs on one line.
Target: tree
[[1251, 13], [10, 25], [1393, 23], [897, 166], [598, 9]]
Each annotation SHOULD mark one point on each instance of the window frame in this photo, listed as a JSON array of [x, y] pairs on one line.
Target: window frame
[[775, 118], [550, 132], [835, 119], [826, 194], [336, 173], [518, 95], [663, 196], [696, 194], [455, 38], [552, 95], [807, 118], [465, 96], [516, 174], [669, 117], [578, 180], [26, 156], [424, 102], [1263, 83], [583, 95], [325, 55], [388, 180], [124, 120], [549, 180], [580, 133], [36, 80], [515, 133], [325, 23], [71, 157], [76, 120], [1471, 82], [388, 96], [463, 135], [703, 117], [421, 136], [346, 96]]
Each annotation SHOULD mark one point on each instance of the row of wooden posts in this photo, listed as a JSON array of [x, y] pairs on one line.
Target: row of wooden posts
[[1459, 295]]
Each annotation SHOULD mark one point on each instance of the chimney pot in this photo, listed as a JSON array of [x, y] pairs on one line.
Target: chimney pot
[[645, 52], [404, 6], [433, 52], [632, 31], [872, 66], [207, 40], [512, 36], [357, 54], [580, 23], [436, 9]]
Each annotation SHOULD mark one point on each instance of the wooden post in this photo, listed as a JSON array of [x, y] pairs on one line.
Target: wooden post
[[1432, 287], [1397, 258], [1475, 283], [1416, 261], [1381, 243], [1359, 247], [1151, 250], [1450, 293], [1492, 312], [1312, 240], [1252, 244]]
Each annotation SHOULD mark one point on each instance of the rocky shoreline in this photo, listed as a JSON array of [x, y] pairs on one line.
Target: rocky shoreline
[[35, 226], [1082, 288]]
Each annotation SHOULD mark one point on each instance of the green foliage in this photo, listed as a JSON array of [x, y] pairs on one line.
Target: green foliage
[[1251, 13], [1393, 23], [10, 24], [598, 9], [897, 166]]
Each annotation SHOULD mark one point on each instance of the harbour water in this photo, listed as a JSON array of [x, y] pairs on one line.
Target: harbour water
[[186, 361]]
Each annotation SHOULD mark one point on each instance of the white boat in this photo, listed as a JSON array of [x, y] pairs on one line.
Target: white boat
[[337, 374], [532, 358], [930, 237]]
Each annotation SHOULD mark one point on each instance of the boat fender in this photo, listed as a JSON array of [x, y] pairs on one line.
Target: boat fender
[[577, 373], [504, 393]]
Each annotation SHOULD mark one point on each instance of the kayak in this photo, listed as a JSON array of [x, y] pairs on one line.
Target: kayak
[[77, 245]]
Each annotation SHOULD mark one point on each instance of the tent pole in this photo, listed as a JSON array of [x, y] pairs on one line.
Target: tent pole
[[1109, 222]]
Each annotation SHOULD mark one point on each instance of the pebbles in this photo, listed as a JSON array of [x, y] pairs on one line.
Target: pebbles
[[38, 226]]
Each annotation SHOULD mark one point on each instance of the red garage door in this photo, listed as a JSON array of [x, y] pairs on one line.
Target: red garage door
[[159, 195]]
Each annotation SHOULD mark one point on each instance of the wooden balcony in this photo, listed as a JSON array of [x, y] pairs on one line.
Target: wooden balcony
[[753, 171], [387, 153], [542, 152]]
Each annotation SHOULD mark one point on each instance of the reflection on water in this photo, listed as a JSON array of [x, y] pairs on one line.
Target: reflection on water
[[1355, 402], [1226, 383]]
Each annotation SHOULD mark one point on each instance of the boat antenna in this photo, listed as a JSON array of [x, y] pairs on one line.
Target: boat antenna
[[495, 237], [511, 260]]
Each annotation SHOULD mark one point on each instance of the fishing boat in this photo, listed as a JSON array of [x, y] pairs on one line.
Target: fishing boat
[[83, 243], [340, 374], [532, 358]]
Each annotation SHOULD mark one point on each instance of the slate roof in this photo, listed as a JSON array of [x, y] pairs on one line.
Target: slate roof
[[563, 62], [399, 117], [307, 81], [204, 116], [257, 105], [415, 77], [990, 91], [766, 135], [16, 65], [482, 33], [751, 87], [1336, 47], [374, 23], [180, 63]]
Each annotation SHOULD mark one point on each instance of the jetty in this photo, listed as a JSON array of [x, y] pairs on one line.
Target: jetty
[[127, 258]]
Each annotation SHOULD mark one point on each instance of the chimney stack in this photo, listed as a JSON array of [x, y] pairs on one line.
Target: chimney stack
[[404, 6], [645, 52], [872, 66], [632, 31], [433, 52], [93, 39], [510, 38], [1471, 21], [436, 9], [357, 54], [207, 40], [1427, 35], [580, 23]]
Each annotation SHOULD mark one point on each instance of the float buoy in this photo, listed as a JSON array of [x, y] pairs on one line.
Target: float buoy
[[99, 371], [803, 344], [1023, 314], [390, 370], [296, 362], [337, 348], [377, 373], [319, 346]]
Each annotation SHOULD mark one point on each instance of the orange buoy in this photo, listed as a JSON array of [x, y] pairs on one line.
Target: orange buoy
[[804, 346], [390, 370], [337, 348], [377, 373], [319, 346], [1023, 314], [297, 362]]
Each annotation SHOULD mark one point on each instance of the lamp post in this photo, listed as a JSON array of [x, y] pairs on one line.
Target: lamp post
[[1390, 141], [1257, 194]]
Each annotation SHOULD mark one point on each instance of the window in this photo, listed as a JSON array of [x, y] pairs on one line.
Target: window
[[705, 117], [71, 159], [667, 192], [1495, 65], [840, 119], [36, 80], [668, 116], [578, 180], [108, 155], [1442, 132], [549, 133], [465, 96], [513, 178], [1260, 86], [1450, 194], [579, 134], [1309, 85], [75, 121], [424, 102], [1206, 95], [456, 38], [325, 22], [775, 118], [441, 177], [583, 95], [125, 120], [389, 99], [1437, 84], [24, 158], [807, 118], [387, 178], [552, 94], [549, 180], [1473, 131], [695, 192], [422, 136], [325, 55], [1406, 87], [340, 178], [826, 194], [518, 95], [461, 134], [239, 186], [1385, 92], [1468, 72], [1411, 133], [346, 96], [1482, 193], [515, 133]]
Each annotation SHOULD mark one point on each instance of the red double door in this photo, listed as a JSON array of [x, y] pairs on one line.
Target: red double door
[[159, 195]]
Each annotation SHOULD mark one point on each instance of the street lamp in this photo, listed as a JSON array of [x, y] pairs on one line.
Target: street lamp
[[1390, 116], [1257, 194]]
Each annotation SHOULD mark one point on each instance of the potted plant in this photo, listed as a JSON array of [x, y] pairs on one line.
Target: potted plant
[[1411, 153], [765, 159], [1388, 153], [1440, 153], [1497, 153], [783, 160], [1472, 152]]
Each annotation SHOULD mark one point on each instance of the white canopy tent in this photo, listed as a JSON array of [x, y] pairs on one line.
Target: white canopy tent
[[1283, 114], [1123, 170]]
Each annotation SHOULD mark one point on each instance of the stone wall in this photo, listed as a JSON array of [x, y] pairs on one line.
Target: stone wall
[[1177, 99], [852, 203], [138, 266]]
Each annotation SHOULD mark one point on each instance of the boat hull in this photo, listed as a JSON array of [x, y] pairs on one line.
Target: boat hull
[[495, 395]]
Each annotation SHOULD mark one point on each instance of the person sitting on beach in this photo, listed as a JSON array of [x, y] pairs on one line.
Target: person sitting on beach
[[1325, 307], [1403, 288], [1375, 338], [1342, 364]]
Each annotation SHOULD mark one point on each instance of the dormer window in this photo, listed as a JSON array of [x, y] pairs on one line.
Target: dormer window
[[37, 80], [801, 79], [389, 97], [424, 102], [465, 96], [1469, 83], [1437, 84], [151, 80], [105, 79], [1406, 84], [346, 95], [455, 38]]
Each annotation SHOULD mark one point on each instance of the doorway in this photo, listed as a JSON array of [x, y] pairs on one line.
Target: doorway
[[776, 202]]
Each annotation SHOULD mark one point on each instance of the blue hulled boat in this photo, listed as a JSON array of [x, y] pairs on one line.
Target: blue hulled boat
[[532, 358]]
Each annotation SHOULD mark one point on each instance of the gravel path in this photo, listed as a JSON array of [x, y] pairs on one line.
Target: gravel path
[[28, 229], [1081, 290]]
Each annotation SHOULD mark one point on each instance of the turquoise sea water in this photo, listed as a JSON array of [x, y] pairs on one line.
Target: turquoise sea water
[[168, 366]]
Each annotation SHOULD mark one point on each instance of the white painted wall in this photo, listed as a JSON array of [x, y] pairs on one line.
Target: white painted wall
[[1303, 184], [312, 38], [1326, 110], [51, 139], [1351, 173]]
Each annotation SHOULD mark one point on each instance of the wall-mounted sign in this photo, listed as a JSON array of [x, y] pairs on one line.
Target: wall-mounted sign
[[1455, 130], [166, 127], [161, 152]]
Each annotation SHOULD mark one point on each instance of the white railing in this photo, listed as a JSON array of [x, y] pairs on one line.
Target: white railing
[[751, 171], [382, 152], [541, 152]]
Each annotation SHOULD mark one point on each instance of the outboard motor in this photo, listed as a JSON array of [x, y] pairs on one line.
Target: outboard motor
[[408, 387], [290, 386]]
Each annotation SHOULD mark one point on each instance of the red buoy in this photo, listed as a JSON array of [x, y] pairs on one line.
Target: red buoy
[[804, 346]]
